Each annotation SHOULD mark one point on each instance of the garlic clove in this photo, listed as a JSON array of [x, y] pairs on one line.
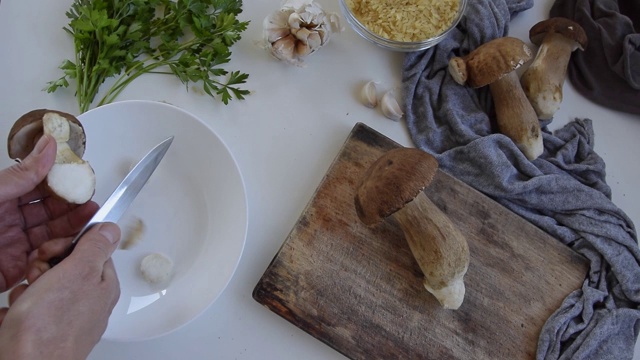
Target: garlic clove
[[284, 48], [275, 26], [276, 34], [303, 49], [294, 20], [368, 94], [390, 107], [314, 41], [303, 34]]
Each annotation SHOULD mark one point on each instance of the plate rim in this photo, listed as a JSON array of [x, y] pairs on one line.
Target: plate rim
[[245, 206]]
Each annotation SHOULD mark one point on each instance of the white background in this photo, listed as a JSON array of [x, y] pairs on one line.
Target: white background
[[284, 137]]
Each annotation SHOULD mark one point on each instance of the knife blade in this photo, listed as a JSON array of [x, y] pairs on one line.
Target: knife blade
[[123, 195]]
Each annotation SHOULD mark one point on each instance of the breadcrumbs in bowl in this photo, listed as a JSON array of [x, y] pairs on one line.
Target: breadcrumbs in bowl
[[403, 25]]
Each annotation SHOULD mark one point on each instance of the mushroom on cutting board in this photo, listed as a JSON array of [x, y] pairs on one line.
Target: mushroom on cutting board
[[494, 64], [542, 82], [71, 178], [393, 186]]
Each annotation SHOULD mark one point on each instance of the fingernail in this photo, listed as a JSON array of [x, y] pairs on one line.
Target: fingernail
[[42, 144], [110, 231]]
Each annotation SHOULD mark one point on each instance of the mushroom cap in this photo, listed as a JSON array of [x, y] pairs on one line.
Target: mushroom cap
[[392, 181], [559, 25], [493, 60], [26, 131]]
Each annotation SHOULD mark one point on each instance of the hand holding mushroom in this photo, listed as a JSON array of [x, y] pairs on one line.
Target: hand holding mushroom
[[494, 64], [542, 82], [71, 178], [393, 186]]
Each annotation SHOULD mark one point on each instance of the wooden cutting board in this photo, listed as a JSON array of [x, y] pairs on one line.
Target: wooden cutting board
[[359, 290]]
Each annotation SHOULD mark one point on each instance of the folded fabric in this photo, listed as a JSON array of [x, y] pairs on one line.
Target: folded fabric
[[563, 192], [611, 62]]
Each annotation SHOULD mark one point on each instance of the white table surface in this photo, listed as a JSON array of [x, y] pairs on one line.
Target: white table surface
[[284, 137]]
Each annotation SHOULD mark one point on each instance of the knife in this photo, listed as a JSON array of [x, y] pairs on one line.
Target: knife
[[123, 195]]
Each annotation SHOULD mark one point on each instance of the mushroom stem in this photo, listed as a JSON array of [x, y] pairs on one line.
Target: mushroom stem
[[515, 116], [542, 82], [439, 248]]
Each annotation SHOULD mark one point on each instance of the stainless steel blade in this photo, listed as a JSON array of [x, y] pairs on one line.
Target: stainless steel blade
[[129, 188], [124, 194]]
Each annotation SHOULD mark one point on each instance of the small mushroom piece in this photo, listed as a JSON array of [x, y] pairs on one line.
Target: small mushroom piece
[[542, 82], [393, 187], [494, 64], [70, 178]]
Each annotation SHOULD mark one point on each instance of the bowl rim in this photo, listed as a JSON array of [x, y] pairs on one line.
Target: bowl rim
[[396, 45]]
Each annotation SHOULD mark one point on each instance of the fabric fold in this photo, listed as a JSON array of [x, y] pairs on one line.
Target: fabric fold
[[611, 61]]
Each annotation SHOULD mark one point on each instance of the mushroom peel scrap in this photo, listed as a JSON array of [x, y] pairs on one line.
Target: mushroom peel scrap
[[393, 187], [494, 64], [71, 178], [298, 29], [542, 82]]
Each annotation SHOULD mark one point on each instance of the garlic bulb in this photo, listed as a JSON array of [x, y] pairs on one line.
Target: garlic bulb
[[298, 29], [368, 94], [390, 107]]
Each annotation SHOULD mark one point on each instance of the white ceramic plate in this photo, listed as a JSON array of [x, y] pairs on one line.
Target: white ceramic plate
[[193, 208]]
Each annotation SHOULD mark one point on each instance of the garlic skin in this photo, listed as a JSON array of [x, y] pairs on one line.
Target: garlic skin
[[390, 107], [368, 94], [298, 29]]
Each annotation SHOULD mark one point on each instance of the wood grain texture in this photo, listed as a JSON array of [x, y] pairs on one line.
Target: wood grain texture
[[359, 290]]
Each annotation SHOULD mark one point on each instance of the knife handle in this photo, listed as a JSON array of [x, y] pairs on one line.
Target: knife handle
[[57, 259]]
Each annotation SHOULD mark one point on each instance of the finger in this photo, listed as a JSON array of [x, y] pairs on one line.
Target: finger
[[37, 194], [53, 248], [36, 269], [16, 292], [39, 258], [63, 226], [36, 213], [21, 178], [110, 277], [97, 245], [3, 313]]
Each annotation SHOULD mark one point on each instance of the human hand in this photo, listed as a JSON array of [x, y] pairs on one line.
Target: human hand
[[29, 216], [64, 311]]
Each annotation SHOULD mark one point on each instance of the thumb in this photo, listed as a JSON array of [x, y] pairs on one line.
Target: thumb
[[97, 245], [23, 177]]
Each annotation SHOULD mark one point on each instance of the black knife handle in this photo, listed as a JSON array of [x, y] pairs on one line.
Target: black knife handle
[[57, 259]]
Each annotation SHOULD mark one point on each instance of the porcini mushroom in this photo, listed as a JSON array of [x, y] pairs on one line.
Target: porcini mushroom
[[494, 64], [71, 178], [542, 82], [393, 186]]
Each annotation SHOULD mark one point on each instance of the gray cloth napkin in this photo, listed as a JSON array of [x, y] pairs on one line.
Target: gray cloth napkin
[[611, 62], [563, 191]]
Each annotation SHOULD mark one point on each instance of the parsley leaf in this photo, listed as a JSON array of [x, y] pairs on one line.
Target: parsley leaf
[[190, 39]]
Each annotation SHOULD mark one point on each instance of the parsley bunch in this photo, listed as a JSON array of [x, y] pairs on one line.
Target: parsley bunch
[[127, 38]]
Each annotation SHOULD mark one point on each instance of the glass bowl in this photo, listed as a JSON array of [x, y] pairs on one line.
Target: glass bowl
[[403, 46]]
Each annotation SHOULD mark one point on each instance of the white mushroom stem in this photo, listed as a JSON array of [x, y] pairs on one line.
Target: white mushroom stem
[[542, 82], [515, 115], [439, 248], [70, 177]]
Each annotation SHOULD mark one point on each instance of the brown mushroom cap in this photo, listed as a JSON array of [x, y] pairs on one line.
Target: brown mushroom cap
[[493, 60], [26, 131], [392, 181], [559, 25]]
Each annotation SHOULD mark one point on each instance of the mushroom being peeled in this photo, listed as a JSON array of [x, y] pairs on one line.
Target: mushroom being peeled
[[393, 187], [298, 29], [70, 178]]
